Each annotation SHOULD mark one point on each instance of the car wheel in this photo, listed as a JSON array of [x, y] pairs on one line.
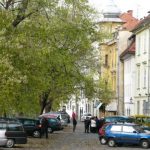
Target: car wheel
[[10, 143], [50, 130], [111, 143], [36, 134], [103, 140], [144, 144]]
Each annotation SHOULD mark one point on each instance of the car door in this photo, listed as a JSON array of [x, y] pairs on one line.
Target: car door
[[29, 126], [16, 132], [129, 135], [54, 124], [3, 138], [115, 132]]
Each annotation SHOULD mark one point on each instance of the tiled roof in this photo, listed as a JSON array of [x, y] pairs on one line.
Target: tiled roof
[[130, 50], [130, 21], [142, 22]]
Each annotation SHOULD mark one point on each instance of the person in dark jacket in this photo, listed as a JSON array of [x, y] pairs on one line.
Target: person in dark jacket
[[44, 129], [87, 123]]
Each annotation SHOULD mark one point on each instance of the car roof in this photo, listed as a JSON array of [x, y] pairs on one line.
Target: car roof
[[10, 122], [87, 114], [125, 124], [23, 118], [118, 117]]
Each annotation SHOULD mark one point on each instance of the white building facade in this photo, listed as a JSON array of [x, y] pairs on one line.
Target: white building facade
[[142, 84]]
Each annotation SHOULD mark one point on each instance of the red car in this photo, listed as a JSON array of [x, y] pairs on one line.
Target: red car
[[101, 133]]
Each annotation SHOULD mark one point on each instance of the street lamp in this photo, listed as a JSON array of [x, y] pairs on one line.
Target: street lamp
[[128, 107], [131, 100]]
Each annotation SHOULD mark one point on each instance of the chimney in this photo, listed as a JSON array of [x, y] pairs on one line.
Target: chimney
[[130, 12]]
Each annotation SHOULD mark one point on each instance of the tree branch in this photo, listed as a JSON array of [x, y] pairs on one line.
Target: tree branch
[[21, 14]]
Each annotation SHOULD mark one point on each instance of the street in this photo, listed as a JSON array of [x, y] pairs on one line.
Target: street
[[67, 140]]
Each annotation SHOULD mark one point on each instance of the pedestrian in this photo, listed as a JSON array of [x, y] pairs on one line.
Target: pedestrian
[[44, 128], [93, 125], [74, 121], [87, 124], [97, 124]]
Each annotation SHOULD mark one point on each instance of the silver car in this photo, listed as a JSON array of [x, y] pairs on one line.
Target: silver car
[[86, 115]]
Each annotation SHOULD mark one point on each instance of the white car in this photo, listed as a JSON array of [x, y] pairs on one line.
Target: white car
[[84, 116]]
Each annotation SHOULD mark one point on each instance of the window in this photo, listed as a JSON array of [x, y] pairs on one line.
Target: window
[[2, 126], [139, 45], [128, 129], [29, 122], [138, 107], [14, 127], [144, 107], [52, 120], [116, 128], [138, 77], [145, 42], [106, 60], [144, 76]]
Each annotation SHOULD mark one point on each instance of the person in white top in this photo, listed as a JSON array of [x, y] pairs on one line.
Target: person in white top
[[93, 125]]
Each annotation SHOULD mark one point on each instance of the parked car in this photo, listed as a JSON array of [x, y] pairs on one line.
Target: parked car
[[101, 133], [12, 133], [126, 133], [31, 126], [86, 115], [54, 123], [121, 119], [58, 115], [9, 119]]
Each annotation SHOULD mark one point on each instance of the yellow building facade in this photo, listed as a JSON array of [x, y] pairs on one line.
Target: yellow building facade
[[108, 52]]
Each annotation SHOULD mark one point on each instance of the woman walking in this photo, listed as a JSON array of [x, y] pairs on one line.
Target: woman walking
[[74, 121]]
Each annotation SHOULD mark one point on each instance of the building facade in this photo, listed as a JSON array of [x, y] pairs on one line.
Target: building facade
[[142, 67]]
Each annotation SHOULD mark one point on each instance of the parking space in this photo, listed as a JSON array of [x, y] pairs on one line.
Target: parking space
[[67, 140]]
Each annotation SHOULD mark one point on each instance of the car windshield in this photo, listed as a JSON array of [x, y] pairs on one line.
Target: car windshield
[[129, 120], [63, 116], [139, 129], [87, 114], [148, 120], [120, 119]]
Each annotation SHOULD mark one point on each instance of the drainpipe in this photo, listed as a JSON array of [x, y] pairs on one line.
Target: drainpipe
[[148, 70], [118, 91]]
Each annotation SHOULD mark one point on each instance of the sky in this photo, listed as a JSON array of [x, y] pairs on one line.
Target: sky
[[139, 7]]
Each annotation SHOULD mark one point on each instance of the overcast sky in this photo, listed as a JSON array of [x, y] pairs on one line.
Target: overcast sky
[[139, 7]]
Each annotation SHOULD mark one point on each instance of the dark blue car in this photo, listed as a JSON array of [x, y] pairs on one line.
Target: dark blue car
[[118, 134]]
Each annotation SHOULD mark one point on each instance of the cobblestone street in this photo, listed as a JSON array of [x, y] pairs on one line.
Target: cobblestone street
[[67, 140]]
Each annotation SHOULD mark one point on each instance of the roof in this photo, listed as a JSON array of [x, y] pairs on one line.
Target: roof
[[111, 9], [110, 20], [129, 21], [130, 50], [144, 22], [110, 12]]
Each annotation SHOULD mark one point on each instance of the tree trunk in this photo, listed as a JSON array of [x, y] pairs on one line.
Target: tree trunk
[[43, 101]]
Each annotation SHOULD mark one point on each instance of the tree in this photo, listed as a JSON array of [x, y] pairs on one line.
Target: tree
[[44, 46]]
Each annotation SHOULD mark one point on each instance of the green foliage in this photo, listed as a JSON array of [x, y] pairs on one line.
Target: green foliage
[[104, 92], [43, 48]]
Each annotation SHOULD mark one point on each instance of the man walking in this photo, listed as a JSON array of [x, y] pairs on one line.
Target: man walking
[[87, 124], [44, 129]]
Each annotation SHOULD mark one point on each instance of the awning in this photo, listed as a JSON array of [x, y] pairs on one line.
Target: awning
[[99, 105], [112, 106]]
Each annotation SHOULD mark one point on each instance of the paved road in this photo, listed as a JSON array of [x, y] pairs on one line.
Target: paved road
[[67, 140]]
